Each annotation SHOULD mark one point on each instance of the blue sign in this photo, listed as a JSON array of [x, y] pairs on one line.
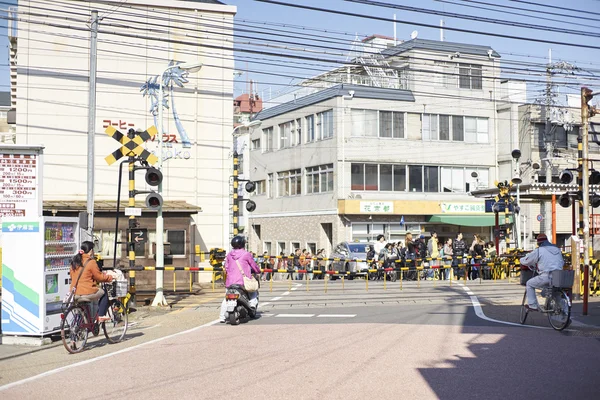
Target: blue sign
[[20, 227]]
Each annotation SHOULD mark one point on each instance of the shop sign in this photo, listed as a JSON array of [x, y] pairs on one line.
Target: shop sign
[[19, 174], [377, 207], [463, 208]]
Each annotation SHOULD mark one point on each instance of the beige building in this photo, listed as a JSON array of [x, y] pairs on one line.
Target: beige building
[[391, 145], [137, 41]]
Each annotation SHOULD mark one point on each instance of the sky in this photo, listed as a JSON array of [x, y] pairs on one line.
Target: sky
[[511, 50], [321, 35]]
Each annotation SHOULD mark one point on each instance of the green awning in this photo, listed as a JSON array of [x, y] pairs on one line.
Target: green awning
[[468, 220]]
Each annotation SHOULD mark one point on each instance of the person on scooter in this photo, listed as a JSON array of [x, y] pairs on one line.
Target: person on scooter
[[548, 258], [240, 255]]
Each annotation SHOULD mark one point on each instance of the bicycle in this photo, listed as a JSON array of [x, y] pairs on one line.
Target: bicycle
[[557, 305], [76, 321]]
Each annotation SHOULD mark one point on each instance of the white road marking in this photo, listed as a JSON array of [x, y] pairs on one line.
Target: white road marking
[[276, 298], [91, 360], [294, 315], [294, 288], [336, 315], [264, 304], [479, 312], [286, 293]]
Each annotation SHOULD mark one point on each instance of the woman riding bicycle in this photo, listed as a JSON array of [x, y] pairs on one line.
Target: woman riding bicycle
[[548, 258], [87, 288]]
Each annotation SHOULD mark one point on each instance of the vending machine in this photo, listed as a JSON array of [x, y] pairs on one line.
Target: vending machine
[[36, 258]]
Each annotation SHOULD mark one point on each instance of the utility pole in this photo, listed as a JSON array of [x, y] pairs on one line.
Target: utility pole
[[92, 125], [548, 142], [587, 111]]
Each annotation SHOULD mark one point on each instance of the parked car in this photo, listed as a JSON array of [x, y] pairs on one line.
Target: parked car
[[350, 251]]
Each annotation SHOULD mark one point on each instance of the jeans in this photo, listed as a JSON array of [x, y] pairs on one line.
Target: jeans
[[253, 303], [539, 281]]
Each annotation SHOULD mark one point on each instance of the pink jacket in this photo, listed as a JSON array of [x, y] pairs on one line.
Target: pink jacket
[[234, 276]]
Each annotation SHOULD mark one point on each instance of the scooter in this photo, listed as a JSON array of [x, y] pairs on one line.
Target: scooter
[[238, 304]]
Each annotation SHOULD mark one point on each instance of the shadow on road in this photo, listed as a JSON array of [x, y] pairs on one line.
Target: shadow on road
[[557, 364]]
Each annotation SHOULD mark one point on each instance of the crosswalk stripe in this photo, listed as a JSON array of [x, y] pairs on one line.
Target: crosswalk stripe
[[336, 315], [294, 315]]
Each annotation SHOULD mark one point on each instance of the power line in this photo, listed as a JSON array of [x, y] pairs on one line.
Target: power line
[[556, 7], [373, 17], [472, 18], [529, 10]]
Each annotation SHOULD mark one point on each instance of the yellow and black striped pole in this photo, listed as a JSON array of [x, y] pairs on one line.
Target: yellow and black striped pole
[[132, 222], [236, 202], [580, 185]]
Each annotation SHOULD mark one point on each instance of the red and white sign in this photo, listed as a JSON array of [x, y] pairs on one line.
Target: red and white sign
[[19, 185]]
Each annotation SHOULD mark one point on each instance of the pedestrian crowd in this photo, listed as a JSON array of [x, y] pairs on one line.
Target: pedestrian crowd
[[445, 254]]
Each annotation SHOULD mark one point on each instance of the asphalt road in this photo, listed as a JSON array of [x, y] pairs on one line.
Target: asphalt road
[[426, 342]]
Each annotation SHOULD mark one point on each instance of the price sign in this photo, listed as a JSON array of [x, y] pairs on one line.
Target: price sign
[[19, 175]]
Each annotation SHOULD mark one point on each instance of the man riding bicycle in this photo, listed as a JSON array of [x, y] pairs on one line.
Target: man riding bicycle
[[547, 257]]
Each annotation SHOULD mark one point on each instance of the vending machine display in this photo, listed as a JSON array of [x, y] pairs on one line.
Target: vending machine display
[[36, 260]]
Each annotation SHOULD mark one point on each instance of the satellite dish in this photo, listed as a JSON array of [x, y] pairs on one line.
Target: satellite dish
[[414, 34]]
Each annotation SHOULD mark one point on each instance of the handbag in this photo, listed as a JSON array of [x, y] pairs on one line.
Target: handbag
[[250, 284]]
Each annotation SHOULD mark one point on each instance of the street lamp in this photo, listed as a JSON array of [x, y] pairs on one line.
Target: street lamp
[[159, 298]]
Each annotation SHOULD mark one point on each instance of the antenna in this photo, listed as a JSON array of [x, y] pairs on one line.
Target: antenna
[[414, 34]]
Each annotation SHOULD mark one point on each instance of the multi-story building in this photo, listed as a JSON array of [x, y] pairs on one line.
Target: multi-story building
[[392, 143], [137, 41]]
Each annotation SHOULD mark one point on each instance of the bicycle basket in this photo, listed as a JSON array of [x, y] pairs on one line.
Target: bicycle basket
[[526, 274], [562, 279], [118, 289]]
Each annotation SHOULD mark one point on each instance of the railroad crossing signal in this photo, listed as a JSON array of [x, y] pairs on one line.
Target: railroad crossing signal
[[131, 146]]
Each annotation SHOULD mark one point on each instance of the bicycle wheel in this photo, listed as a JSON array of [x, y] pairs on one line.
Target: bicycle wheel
[[73, 332], [559, 310], [524, 311], [115, 329]]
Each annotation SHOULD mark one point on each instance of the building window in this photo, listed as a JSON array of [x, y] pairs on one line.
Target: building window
[[430, 127], [325, 125], [267, 248], [256, 144], [104, 244], [285, 134], [364, 122], [469, 76], [177, 240], [364, 177], [415, 178], [431, 179], [461, 179], [458, 129], [296, 132], [271, 185], [281, 248], [444, 127], [319, 179], [268, 139], [392, 177], [310, 128], [240, 158], [260, 187], [290, 183], [391, 124]]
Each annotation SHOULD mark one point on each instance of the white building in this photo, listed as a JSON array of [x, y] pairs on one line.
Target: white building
[[137, 40], [401, 136]]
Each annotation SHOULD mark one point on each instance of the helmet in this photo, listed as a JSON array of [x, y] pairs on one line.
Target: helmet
[[238, 242]]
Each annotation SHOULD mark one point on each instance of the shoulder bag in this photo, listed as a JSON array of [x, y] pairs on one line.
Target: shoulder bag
[[69, 297], [250, 284]]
